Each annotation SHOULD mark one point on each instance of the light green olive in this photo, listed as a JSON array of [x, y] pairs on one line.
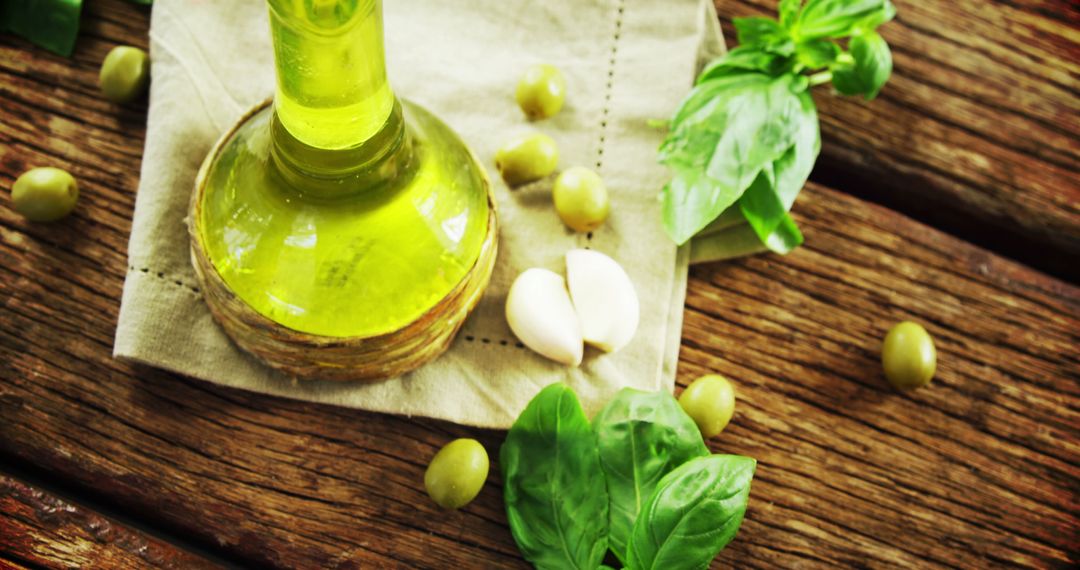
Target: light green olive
[[124, 74], [581, 199], [908, 356], [456, 473], [44, 194], [541, 91], [527, 158], [710, 402]]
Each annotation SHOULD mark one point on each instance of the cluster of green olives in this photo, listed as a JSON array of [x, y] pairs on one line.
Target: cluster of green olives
[[46, 194], [579, 194]]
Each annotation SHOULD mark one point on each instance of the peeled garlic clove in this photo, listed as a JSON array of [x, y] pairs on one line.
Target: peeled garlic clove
[[604, 298], [540, 313]]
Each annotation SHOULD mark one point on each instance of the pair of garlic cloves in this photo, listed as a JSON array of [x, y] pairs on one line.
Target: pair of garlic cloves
[[596, 304]]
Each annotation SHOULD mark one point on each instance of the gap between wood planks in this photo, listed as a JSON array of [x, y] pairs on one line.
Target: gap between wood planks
[[948, 217], [89, 500]]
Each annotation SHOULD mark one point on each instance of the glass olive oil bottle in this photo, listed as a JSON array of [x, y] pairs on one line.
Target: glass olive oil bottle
[[340, 211]]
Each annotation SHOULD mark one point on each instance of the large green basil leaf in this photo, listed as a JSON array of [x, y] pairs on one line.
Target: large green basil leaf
[[51, 24], [838, 18], [693, 514], [870, 70], [767, 201], [725, 132], [642, 436], [553, 486]]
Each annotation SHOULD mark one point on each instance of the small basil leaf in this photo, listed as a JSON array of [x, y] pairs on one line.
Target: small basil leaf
[[743, 59], [757, 30], [845, 80], [641, 436], [726, 130], [873, 61], [875, 19], [835, 18], [870, 70], [789, 12], [765, 34], [815, 54], [694, 513], [763, 210], [766, 203], [761, 206], [553, 487]]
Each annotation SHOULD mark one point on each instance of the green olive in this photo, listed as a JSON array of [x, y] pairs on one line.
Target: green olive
[[541, 91], [527, 158], [456, 473], [908, 356], [124, 74], [710, 402], [44, 194], [581, 199]]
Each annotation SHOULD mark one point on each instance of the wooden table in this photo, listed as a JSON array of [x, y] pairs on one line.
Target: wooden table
[[953, 200]]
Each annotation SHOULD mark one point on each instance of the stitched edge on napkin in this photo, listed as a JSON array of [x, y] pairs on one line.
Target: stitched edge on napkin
[[468, 384]]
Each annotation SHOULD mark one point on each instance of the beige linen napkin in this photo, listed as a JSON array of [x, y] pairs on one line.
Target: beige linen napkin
[[625, 61]]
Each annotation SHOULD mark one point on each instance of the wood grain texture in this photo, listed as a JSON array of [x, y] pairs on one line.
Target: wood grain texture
[[978, 130], [979, 470], [43, 530]]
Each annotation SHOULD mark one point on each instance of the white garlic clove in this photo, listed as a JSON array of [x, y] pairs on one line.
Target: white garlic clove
[[540, 313], [604, 299]]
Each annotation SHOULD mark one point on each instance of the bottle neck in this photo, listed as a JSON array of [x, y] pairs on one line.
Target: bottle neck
[[332, 90]]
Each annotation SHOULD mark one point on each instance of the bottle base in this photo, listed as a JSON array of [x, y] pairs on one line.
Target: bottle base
[[362, 288]]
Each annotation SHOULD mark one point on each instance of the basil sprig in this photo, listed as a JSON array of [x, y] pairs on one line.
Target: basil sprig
[[747, 134], [639, 480]]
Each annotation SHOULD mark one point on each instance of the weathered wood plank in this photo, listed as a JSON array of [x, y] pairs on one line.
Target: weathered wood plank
[[978, 130], [40, 529], [926, 479]]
